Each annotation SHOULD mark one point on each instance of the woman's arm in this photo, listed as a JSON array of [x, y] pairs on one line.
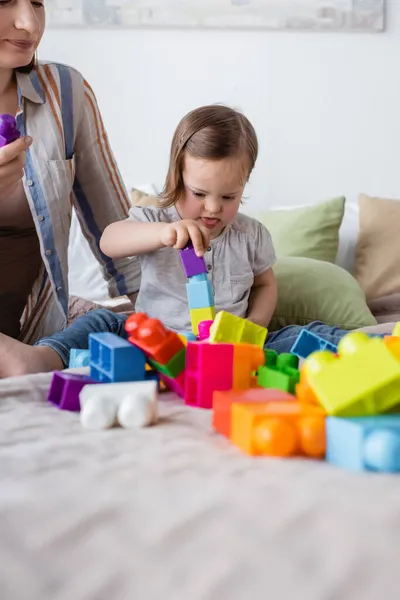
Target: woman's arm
[[263, 298], [100, 197]]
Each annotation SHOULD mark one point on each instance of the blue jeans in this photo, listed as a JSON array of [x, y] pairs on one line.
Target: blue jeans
[[77, 335]]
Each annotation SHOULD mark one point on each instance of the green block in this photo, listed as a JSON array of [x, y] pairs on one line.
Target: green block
[[175, 366], [274, 378], [286, 359], [270, 357]]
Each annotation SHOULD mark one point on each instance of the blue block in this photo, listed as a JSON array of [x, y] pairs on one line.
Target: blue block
[[113, 359], [307, 343], [189, 335], [200, 294], [199, 277], [79, 358], [364, 443]]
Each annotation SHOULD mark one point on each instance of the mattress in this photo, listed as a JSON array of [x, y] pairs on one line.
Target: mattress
[[176, 512]]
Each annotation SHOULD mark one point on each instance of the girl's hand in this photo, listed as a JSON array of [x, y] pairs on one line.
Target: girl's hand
[[12, 160], [176, 235]]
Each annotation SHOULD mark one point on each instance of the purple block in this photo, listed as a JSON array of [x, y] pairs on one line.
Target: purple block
[[192, 264], [8, 130], [65, 388]]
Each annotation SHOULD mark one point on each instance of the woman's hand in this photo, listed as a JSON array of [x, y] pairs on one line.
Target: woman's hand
[[12, 160], [177, 235]]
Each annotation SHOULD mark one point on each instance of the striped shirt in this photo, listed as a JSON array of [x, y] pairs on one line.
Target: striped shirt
[[70, 164]]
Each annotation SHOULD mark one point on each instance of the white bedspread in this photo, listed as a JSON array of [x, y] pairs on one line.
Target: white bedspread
[[175, 512]]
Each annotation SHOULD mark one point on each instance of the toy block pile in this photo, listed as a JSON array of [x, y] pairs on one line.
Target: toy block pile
[[343, 407]]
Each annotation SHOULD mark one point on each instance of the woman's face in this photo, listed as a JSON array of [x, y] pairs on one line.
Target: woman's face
[[21, 29]]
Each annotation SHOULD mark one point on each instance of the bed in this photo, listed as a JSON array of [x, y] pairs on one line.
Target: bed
[[175, 511]]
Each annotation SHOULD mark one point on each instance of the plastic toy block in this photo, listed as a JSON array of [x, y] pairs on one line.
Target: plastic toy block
[[283, 360], [186, 337], [307, 343], [65, 388], [280, 373], [364, 380], [157, 342], [130, 405], [175, 366], [200, 294], [113, 359], [303, 390], [192, 264], [393, 343], [8, 130], [364, 443], [204, 330], [229, 328], [199, 277], [222, 404], [176, 385], [246, 360], [279, 429], [197, 315], [209, 367], [79, 358], [396, 330]]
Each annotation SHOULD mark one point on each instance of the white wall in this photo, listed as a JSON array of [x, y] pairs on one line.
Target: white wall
[[326, 106]]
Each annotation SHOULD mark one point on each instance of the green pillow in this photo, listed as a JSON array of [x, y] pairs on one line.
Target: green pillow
[[312, 290], [312, 232]]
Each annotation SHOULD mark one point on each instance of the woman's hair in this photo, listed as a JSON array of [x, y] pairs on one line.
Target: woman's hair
[[213, 133]]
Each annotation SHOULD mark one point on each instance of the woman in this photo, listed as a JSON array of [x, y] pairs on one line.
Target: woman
[[62, 159]]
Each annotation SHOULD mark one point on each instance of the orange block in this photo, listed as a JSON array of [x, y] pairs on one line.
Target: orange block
[[393, 343], [304, 393], [279, 429], [222, 404], [153, 338], [246, 360]]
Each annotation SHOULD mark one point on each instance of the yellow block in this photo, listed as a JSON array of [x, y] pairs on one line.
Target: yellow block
[[230, 329], [364, 380], [396, 330], [197, 315]]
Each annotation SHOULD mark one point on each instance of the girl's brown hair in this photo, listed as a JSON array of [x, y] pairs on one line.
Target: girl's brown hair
[[213, 133]]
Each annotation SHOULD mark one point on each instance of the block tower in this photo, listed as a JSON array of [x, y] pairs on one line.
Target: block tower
[[199, 289]]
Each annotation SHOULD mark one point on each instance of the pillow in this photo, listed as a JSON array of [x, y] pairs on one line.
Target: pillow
[[311, 232], [312, 290], [377, 267]]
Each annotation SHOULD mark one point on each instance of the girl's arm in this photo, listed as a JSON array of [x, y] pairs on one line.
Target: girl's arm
[[263, 298], [130, 238]]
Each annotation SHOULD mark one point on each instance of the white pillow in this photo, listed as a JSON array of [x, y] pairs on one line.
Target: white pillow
[[85, 278]]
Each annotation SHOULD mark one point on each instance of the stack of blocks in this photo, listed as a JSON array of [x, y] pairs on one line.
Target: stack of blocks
[[199, 289]]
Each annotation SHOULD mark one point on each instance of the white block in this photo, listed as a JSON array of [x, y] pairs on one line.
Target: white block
[[131, 404]]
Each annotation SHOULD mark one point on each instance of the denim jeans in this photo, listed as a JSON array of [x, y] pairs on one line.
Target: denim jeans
[[76, 336]]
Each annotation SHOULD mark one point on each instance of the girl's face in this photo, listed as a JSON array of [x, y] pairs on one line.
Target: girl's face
[[212, 192], [21, 29]]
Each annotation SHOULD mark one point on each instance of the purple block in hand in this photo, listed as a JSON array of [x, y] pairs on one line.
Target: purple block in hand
[[192, 264], [65, 388], [8, 130]]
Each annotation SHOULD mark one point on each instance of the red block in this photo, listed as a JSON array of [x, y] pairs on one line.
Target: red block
[[153, 338], [222, 404]]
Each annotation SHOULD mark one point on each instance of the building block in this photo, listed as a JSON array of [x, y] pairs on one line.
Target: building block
[[280, 373], [175, 366], [308, 342], [231, 329], [129, 404], [65, 388], [176, 385], [150, 335], [396, 330], [363, 380], [247, 358], [222, 404], [303, 390], [197, 315], [192, 264], [204, 330], [8, 130], [364, 443], [113, 359], [279, 429], [200, 294], [393, 343], [199, 277], [187, 336], [79, 358]]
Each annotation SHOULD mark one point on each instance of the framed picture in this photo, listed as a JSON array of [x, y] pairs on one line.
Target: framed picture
[[306, 15]]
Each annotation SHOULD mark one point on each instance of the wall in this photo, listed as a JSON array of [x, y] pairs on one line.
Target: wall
[[326, 106]]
